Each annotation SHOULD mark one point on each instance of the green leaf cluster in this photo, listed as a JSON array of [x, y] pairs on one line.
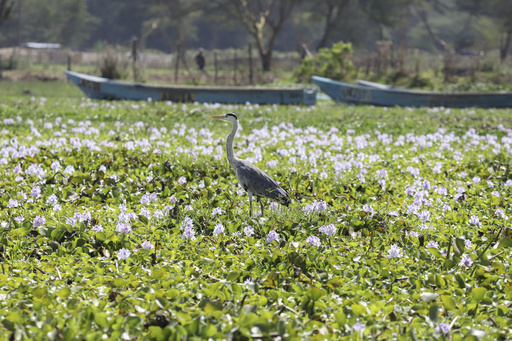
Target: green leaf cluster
[[333, 62], [65, 278]]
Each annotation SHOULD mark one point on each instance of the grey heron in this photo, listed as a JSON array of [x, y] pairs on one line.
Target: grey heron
[[253, 180]]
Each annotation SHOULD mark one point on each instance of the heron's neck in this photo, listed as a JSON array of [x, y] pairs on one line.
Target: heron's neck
[[229, 143]]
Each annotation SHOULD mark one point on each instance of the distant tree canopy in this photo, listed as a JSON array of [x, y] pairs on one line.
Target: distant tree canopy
[[172, 20], [501, 11], [67, 21], [5, 9], [284, 25]]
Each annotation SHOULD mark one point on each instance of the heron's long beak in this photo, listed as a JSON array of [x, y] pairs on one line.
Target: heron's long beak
[[218, 116]]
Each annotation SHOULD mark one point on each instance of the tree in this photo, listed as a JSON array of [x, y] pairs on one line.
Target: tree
[[397, 13], [392, 14], [5, 9], [62, 21], [119, 21], [501, 11], [173, 19], [263, 20], [421, 10], [472, 8], [385, 12], [328, 11]]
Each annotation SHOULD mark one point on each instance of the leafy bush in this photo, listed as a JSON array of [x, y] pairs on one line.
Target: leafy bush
[[330, 62], [110, 66], [419, 82], [473, 87], [10, 63]]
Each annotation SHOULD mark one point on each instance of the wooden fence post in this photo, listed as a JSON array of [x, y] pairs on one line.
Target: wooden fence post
[[135, 51], [1, 67], [69, 62], [135, 57], [234, 67], [215, 66], [177, 65], [250, 66]]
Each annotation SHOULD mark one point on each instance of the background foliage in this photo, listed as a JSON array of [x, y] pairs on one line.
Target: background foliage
[[86, 23]]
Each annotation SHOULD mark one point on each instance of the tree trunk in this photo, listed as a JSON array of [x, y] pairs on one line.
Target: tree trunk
[[403, 30], [438, 42], [5, 9], [323, 42], [331, 20], [458, 38], [505, 47], [260, 19], [266, 60], [265, 50], [327, 29]]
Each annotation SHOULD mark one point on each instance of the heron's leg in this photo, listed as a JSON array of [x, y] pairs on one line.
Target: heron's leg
[[250, 203], [261, 204]]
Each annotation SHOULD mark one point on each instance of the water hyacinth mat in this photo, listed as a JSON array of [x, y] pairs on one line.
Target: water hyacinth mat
[[123, 220]]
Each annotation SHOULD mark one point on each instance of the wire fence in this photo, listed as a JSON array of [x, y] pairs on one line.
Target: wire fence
[[234, 66], [223, 67]]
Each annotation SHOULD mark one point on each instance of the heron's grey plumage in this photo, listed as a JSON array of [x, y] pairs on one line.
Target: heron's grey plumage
[[260, 183], [252, 179]]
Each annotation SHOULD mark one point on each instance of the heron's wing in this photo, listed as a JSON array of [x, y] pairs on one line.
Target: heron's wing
[[260, 183]]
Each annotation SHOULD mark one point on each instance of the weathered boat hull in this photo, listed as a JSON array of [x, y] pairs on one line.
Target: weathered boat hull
[[103, 88], [389, 96]]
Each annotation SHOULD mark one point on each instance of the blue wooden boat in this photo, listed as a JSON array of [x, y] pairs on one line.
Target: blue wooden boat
[[384, 95], [104, 88]]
